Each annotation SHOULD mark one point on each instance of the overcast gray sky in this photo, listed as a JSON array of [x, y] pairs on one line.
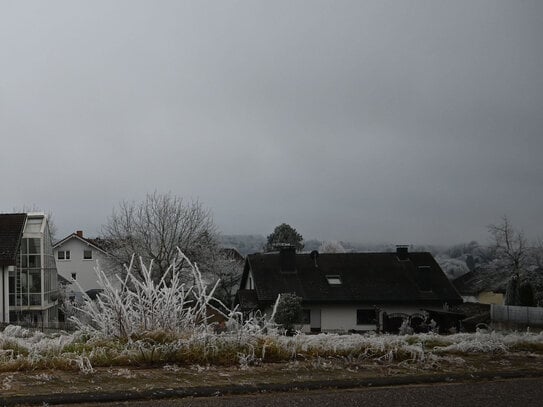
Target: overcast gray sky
[[372, 121]]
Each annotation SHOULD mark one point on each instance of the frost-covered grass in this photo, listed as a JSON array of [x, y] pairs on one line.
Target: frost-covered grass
[[168, 323], [23, 350]]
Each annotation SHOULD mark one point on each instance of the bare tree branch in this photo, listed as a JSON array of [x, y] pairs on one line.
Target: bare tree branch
[[156, 227], [510, 245]]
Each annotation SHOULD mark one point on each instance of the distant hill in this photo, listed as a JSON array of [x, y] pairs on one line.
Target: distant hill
[[245, 244]]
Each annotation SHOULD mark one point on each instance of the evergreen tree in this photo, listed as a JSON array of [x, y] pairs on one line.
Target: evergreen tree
[[284, 234], [512, 292], [526, 294], [289, 311]]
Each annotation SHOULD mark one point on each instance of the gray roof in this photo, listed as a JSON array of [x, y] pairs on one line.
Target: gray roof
[[365, 277], [11, 231]]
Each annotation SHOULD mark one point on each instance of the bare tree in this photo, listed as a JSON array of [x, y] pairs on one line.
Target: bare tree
[[510, 245], [536, 253], [155, 228], [227, 269]]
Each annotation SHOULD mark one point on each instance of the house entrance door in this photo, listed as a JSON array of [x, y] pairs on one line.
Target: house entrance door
[[315, 320]]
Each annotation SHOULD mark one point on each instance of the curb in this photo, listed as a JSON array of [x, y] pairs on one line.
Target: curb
[[211, 391]]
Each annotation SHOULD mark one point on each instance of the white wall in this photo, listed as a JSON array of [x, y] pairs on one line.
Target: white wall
[[84, 269], [343, 317]]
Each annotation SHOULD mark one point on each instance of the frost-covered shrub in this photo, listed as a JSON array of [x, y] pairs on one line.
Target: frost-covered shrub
[[135, 304]]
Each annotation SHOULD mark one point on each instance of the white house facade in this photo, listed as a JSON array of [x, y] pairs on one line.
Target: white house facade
[[76, 258]]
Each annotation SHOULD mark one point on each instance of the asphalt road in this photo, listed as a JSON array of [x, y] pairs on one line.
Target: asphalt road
[[512, 392]]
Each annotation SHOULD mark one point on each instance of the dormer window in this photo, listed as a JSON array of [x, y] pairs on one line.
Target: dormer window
[[250, 283], [333, 279], [424, 278], [402, 252]]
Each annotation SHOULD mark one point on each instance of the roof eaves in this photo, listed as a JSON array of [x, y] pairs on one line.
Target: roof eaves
[[82, 239]]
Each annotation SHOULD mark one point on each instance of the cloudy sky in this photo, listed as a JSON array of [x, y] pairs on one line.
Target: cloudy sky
[[373, 121]]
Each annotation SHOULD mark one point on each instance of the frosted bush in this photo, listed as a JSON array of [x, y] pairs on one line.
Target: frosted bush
[[124, 373], [6, 382], [43, 377], [478, 343], [84, 365], [15, 331], [132, 306], [34, 343], [514, 338]]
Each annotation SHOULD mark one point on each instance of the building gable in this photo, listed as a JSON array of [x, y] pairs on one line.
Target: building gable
[[78, 237]]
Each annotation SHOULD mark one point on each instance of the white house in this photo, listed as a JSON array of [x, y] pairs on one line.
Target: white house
[[28, 275], [76, 258]]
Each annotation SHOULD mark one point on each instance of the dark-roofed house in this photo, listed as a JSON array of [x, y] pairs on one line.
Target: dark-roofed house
[[348, 291], [483, 285], [28, 275], [77, 257]]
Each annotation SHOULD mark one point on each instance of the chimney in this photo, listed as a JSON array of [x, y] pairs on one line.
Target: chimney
[[314, 255], [79, 233], [287, 258], [402, 251]]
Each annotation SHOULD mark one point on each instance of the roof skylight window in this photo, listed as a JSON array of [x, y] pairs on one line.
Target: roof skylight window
[[333, 280]]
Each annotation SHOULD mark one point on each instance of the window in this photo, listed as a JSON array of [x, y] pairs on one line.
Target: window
[[34, 281], [33, 246], [306, 316], [33, 225], [333, 280], [74, 276], [424, 278], [33, 261], [63, 255], [366, 317], [87, 254]]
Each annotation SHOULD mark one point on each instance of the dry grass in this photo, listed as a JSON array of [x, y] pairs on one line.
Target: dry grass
[[162, 348]]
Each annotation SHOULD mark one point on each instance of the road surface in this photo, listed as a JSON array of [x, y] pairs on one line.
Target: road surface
[[506, 393]]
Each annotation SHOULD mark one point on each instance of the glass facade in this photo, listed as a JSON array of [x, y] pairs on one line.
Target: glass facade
[[33, 285], [50, 271]]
